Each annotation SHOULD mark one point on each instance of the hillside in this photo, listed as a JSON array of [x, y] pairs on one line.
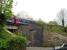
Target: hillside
[[53, 39]]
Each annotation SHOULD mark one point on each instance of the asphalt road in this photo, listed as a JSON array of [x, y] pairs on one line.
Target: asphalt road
[[38, 48]]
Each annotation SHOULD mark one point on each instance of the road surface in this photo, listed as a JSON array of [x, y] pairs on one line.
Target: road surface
[[38, 48]]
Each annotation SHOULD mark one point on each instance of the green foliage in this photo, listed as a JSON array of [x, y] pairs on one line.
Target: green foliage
[[52, 23], [4, 43], [4, 39], [17, 43], [6, 7], [5, 11], [56, 28], [9, 42], [52, 26], [41, 24], [2, 20]]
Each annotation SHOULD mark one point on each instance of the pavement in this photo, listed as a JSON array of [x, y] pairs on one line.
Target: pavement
[[38, 48]]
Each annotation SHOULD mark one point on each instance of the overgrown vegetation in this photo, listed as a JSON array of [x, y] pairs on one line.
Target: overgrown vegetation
[[9, 41], [50, 29], [52, 26]]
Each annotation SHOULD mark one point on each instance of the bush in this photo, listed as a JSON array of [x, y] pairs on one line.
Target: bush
[[56, 28], [4, 39], [9, 42], [17, 43]]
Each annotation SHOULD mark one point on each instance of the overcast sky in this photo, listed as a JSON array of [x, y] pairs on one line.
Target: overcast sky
[[44, 9]]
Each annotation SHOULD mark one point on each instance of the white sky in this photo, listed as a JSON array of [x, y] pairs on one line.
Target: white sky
[[44, 9]]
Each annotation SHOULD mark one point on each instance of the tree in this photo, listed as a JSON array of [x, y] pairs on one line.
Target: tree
[[8, 40], [52, 23], [61, 17], [5, 11], [5, 7], [41, 24]]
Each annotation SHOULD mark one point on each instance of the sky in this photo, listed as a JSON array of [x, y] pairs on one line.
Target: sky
[[40, 9]]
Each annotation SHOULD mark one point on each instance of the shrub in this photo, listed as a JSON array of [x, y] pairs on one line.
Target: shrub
[[17, 43], [9, 42]]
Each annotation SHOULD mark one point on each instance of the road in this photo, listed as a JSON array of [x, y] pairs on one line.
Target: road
[[38, 48]]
